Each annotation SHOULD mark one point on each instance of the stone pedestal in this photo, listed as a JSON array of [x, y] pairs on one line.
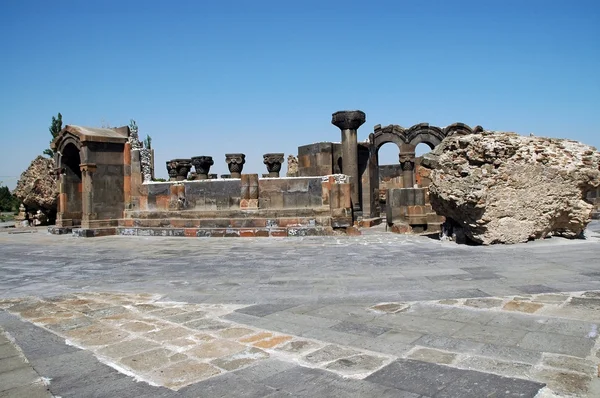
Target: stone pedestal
[[235, 163], [178, 169], [273, 162], [349, 122], [202, 165]]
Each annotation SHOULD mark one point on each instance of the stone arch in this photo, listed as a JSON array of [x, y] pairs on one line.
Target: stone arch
[[423, 133], [65, 142], [392, 133], [457, 128]]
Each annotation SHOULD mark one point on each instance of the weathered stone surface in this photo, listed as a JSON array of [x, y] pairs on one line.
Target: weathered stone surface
[[37, 188], [506, 188]]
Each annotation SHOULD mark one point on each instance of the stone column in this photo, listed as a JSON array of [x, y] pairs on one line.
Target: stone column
[[348, 122], [59, 174], [407, 163], [87, 195], [273, 162], [235, 163], [202, 165]]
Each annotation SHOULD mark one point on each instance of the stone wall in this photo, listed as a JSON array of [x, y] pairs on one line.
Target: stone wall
[[247, 206], [319, 159]]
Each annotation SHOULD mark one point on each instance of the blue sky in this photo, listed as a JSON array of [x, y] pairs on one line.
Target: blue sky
[[208, 78]]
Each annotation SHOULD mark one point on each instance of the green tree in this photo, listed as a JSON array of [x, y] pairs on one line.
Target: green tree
[[54, 129], [8, 202]]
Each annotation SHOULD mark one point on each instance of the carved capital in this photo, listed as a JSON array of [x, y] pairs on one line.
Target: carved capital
[[202, 165], [407, 162], [348, 120], [178, 169], [273, 162], [235, 163], [88, 167]]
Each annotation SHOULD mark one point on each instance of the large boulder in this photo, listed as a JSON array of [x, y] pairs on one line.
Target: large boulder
[[37, 188], [506, 188]]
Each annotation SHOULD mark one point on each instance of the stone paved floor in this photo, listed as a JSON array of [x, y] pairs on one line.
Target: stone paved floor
[[17, 377], [377, 315]]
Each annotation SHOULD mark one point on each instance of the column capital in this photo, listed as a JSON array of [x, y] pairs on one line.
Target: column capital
[[202, 165], [348, 120], [235, 163], [407, 161], [178, 169], [88, 167], [273, 162]]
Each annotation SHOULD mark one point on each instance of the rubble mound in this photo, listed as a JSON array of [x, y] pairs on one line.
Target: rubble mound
[[507, 188], [37, 189]]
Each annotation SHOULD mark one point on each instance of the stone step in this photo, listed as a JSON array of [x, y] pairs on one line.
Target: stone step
[[226, 232]]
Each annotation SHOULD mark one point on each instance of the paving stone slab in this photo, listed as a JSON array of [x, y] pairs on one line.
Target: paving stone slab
[[507, 353], [357, 365], [499, 367], [534, 289], [183, 373], [264, 309], [570, 363], [128, 347], [515, 321], [448, 343], [490, 334], [226, 386], [468, 315], [557, 343], [241, 359], [419, 324], [416, 376], [432, 355], [264, 369], [564, 382], [329, 353], [17, 377], [570, 327], [441, 381], [360, 329], [34, 390]]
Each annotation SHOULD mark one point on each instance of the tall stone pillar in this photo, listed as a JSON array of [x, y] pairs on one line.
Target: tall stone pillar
[[59, 174], [348, 122], [87, 195]]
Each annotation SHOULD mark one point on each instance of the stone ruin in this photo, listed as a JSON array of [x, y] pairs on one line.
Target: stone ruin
[[506, 188], [38, 193], [106, 186]]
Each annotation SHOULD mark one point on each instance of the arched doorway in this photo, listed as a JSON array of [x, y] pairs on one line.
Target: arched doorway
[[389, 171]]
